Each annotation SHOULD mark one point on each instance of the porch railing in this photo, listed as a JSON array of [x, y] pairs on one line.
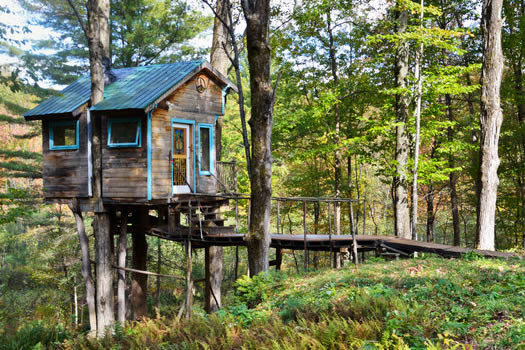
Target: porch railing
[[226, 173]]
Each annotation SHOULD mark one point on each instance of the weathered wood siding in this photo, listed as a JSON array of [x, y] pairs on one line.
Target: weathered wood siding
[[188, 104], [124, 169], [65, 172]]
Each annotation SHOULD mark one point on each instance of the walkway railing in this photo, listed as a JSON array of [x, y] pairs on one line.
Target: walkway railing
[[226, 173]]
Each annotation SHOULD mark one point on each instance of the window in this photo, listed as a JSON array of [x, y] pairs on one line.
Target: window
[[205, 149], [63, 135], [124, 132]]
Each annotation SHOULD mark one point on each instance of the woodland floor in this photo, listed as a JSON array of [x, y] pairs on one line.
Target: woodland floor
[[434, 303]]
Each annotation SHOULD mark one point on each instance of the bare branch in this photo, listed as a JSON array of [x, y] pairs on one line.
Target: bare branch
[[79, 18]]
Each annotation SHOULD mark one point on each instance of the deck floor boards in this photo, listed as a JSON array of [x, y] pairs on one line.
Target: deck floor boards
[[327, 243]]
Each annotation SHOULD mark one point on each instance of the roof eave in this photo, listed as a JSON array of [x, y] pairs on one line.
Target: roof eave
[[219, 76], [74, 113]]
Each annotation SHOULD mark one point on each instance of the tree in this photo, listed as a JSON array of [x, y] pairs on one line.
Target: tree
[[219, 59], [490, 122], [257, 15], [142, 32], [401, 212]]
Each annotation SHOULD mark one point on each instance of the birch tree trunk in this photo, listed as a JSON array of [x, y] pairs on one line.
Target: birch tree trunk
[[257, 15], [402, 220], [490, 122]]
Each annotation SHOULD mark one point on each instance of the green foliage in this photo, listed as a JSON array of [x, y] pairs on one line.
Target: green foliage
[[36, 336], [418, 304], [255, 290]]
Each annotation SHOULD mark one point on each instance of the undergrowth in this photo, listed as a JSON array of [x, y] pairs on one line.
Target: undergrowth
[[429, 303]]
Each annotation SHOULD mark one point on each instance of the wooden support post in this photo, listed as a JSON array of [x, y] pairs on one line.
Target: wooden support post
[[139, 282], [354, 241], [159, 261], [173, 219], [86, 266], [189, 268], [337, 231], [278, 258], [189, 280], [305, 242], [236, 272], [121, 262]]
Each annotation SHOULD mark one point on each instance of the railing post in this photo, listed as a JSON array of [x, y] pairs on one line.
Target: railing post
[[354, 241], [278, 215]]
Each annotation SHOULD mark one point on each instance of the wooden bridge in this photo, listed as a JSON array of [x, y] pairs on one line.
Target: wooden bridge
[[379, 244], [207, 228]]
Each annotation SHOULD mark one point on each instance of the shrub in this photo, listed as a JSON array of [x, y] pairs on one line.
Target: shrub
[[36, 335]]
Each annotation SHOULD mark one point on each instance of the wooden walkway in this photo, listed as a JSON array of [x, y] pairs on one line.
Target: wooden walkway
[[394, 245]]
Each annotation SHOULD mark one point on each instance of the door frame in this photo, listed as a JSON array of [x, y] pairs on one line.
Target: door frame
[[190, 137]]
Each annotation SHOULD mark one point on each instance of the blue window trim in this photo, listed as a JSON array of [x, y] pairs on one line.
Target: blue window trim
[[51, 135], [192, 140], [137, 142], [212, 156]]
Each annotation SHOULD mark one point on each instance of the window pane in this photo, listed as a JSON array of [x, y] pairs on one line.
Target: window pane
[[205, 149], [65, 135], [124, 132]]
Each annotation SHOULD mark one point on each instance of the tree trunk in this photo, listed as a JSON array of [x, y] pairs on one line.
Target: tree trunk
[[452, 178], [104, 268], [257, 14], [99, 49], [337, 140], [520, 93], [139, 281], [419, 92], [213, 257], [122, 255], [401, 211], [490, 122], [220, 50], [86, 266]]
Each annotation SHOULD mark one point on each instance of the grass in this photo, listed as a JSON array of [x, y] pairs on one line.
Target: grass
[[429, 303]]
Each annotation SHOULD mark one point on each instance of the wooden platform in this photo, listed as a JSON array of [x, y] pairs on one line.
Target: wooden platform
[[403, 247]]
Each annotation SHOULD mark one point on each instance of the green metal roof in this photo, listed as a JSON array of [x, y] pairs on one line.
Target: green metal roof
[[135, 88]]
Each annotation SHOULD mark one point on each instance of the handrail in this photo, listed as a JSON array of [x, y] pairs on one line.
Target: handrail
[[181, 174]]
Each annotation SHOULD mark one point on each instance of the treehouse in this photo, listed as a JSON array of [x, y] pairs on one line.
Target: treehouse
[[157, 134]]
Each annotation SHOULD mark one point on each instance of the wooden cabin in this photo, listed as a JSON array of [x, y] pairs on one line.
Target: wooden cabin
[[157, 133]]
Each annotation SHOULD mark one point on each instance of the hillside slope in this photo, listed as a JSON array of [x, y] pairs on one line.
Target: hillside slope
[[419, 303]]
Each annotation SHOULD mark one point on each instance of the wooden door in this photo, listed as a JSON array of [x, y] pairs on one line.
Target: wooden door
[[181, 158]]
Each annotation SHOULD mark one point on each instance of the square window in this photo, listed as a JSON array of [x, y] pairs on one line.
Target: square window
[[205, 149], [124, 132], [63, 135]]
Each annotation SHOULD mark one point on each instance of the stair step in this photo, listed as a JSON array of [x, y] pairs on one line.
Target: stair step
[[195, 219], [219, 230]]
